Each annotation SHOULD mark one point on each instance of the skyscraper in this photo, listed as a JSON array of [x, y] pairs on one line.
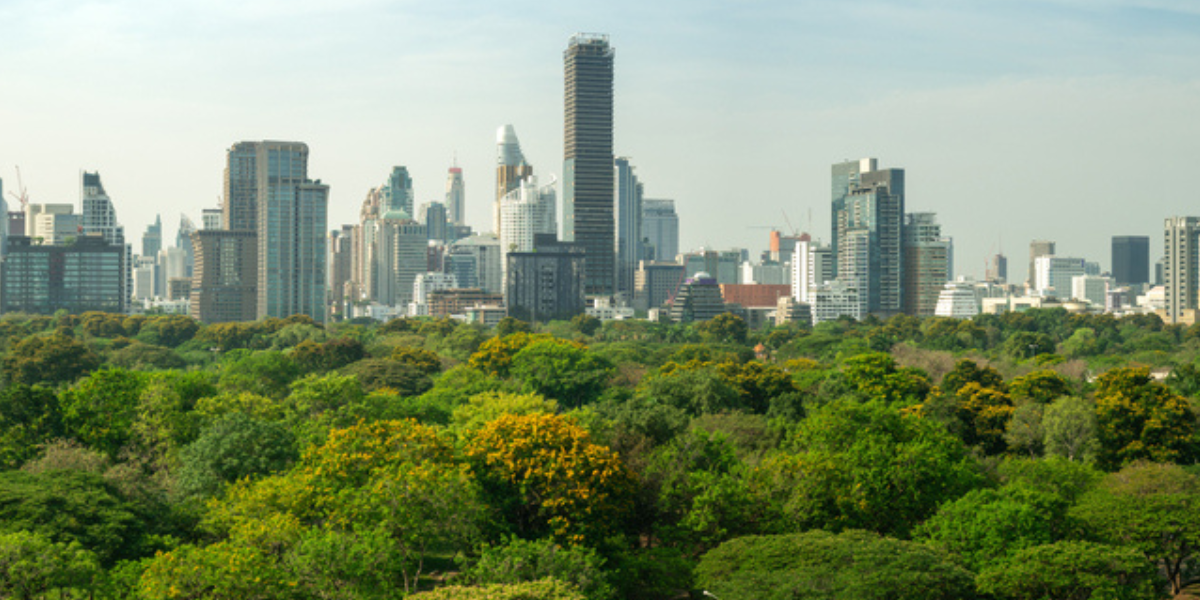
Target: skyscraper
[[398, 192], [292, 212], [660, 229], [152, 239], [629, 224], [926, 263], [868, 224], [1181, 268], [1037, 248], [100, 218], [1131, 259], [526, 212], [588, 157], [278, 212], [843, 176], [455, 196], [997, 269], [511, 169]]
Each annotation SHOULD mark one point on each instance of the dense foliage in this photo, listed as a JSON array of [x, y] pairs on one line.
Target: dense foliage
[[1019, 456]]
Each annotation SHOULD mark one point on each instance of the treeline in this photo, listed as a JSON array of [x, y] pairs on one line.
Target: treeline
[[1020, 456]]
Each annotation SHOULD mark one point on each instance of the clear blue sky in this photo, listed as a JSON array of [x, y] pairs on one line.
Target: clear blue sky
[[1071, 120]]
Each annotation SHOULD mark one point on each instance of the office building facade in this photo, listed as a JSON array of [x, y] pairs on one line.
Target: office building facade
[[660, 229], [1131, 259], [868, 224], [86, 274], [548, 283], [926, 263], [224, 276], [628, 203]]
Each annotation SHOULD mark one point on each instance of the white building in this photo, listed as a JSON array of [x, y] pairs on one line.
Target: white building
[[423, 285], [525, 212], [957, 300], [53, 223], [1053, 274], [766, 273], [812, 266], [831, 301]]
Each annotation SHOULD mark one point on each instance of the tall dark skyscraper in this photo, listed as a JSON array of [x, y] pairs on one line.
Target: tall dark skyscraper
[[1131, 259], [588, 158]]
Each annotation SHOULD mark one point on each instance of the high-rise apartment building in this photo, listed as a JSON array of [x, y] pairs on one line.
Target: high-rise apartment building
[[511, 169], [588, 157], [628, 203], [98, 217], [434, 216], [926, 263], [224, 276], [812, 267], [1181, 268], [868, 228], [525, 213], [660, 229], [843, 175], [1037, 248], [456, 195], [401, 255], [280, 213], [1131, 259]]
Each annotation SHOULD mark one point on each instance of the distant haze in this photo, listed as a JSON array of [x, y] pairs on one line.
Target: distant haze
[[1069, 120]]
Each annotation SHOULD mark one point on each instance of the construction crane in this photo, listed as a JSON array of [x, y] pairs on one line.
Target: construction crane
[[22, 195]]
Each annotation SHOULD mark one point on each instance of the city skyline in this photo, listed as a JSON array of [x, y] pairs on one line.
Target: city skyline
[[1085, 108]]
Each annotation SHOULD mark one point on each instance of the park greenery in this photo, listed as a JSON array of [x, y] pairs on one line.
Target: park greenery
[[1023, 456]]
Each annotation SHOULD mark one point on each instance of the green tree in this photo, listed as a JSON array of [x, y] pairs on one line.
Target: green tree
[[1070, 429], [1043, 386], [50, 359], [72, 506], [379, 373], [987, 525], [546, 589], [864, 466], [1025, 432], [510, 325], [484, 408], [1024, 345], [232, 447], [876, 376], [267, 372], [563, 371], [821, 565], [725, 328], [1140, 419], [968, 371], [29, 416], [586, 324], [693, 391], [423, 360], [519, 561], [1069, 570], [31, 566], [101, 409], [1153, 508]]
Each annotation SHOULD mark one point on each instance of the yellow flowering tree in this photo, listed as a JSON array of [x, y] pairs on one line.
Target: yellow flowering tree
[[547, 477]]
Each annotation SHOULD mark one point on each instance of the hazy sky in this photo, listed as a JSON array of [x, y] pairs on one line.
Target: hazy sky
[[1071, 120]]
